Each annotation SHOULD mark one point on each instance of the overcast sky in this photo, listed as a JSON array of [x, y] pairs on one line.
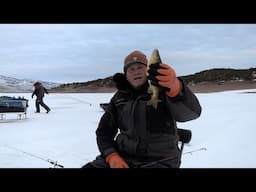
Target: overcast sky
[[82, 52]]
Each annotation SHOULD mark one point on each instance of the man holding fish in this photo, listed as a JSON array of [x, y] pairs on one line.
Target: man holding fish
[[139, 124]]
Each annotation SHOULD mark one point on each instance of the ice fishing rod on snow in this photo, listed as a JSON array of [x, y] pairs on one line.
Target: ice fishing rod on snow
[[79, 100], [184, 137], [169, 158], [54, 163], [190, 152]]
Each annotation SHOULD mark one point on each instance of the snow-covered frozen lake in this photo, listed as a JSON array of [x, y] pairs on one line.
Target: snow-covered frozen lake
[[223, 134]]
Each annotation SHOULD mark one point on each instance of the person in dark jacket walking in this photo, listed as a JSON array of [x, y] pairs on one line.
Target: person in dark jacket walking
[[39, 91], [133, 134]]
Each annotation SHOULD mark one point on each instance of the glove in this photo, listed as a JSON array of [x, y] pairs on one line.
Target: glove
[[164, 76], [32, 96], [115, 161]]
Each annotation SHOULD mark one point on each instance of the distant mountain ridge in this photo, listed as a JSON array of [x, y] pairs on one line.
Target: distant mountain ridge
[[211, 76], [10, 84], [197, 82]]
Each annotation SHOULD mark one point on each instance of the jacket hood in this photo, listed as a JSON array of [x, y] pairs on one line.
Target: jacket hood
[[122, 83], [37, 83]]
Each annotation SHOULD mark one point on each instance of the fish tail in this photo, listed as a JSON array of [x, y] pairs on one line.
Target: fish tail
[[153, 102]]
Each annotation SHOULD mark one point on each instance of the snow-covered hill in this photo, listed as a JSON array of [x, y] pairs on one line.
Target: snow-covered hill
[[10, 84]]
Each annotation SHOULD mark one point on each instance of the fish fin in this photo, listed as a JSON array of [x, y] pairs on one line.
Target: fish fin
[[154, 102]]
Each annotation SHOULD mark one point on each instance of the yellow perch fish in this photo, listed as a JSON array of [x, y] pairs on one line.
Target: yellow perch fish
[[155, 58]]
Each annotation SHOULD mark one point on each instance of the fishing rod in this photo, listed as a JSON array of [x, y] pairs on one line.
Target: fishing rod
[[54, 163], [79, 100], [190, 152], [169, 158]]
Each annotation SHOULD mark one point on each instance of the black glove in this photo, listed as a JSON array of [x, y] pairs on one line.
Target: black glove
[[152, 73]]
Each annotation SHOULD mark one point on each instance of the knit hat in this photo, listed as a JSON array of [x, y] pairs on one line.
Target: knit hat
[[36, 83], [135, 57]]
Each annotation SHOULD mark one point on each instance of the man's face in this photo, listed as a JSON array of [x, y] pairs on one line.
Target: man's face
[[136, 75]]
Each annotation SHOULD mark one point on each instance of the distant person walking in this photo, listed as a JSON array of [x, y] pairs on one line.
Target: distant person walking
[[39, 91]]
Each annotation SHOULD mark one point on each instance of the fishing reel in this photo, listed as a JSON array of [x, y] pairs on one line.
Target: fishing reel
[[185, 135]]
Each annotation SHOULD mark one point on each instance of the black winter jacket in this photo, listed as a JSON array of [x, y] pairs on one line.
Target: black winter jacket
[[39, 90], [135, 129]]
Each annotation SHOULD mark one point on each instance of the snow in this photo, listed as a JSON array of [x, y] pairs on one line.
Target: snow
[[66, 135]]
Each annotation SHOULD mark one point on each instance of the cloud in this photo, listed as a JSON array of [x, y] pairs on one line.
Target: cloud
[[72, 52]]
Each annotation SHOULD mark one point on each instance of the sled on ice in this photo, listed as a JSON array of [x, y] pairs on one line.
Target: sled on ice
[[17, 105]]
